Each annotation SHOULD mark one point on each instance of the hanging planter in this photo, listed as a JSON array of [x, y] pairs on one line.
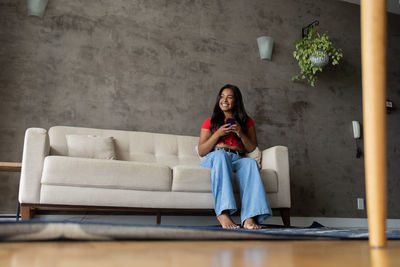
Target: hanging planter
[[319, 58], [313, 53], [36, 7]]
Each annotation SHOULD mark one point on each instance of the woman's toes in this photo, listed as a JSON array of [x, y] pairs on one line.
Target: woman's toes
[[232, 226], [226, 221], [251, 224]]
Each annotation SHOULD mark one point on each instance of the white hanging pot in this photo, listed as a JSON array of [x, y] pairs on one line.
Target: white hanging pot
[[319, 58], [36, 7]]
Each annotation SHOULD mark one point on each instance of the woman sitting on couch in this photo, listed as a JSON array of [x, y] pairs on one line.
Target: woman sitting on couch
[[224, 139]]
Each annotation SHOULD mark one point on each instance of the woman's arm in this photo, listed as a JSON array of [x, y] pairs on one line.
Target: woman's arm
[[249, 140], [208, 140]]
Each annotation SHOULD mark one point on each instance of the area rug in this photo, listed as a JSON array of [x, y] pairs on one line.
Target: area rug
[[61, 230]]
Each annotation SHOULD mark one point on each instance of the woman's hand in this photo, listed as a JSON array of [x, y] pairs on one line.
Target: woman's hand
[[208, 140], [237, 130], [223, 130]]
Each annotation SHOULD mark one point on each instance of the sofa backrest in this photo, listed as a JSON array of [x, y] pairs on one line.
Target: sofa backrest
[[166, 149]]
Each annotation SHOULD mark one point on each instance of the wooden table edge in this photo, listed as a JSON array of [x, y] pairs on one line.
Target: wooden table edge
[[10, 166]]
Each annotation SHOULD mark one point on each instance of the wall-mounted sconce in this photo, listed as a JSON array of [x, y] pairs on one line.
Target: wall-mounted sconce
[[265, 46], [357, 136], [36, 7]]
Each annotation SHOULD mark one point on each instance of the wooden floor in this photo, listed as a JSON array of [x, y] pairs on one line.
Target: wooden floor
[[201, 253]]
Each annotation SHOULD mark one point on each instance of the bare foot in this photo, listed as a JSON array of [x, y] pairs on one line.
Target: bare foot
[[226, 221], [249, 223]]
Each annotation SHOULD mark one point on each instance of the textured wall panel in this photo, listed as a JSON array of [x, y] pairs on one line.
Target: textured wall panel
[[156, 65]]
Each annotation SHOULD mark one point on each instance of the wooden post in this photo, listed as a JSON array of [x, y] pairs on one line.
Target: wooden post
[[158, 218], [285, 215], [27, 212], [373, 50]]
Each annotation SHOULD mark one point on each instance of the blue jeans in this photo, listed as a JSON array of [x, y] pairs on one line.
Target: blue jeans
[[254, 201]]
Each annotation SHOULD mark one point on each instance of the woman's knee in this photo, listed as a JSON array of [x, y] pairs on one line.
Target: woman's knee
[[250, 161]]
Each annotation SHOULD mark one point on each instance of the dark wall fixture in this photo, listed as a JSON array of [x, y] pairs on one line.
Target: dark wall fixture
[[389, 106], [357, 136], [305, 30]]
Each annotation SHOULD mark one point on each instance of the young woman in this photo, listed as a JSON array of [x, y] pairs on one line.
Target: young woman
[[223, 141]]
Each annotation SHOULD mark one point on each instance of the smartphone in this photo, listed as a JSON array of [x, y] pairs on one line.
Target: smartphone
[[230, 121]]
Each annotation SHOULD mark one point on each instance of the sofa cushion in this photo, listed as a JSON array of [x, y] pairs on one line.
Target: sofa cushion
[[83, 172], [58, 140], [167, 149], [91, 146], [89, 196], [191, 179], [256, 155], [198, 179]]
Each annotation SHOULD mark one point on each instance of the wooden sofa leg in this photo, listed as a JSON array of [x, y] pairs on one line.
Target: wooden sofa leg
[[158, 217], [27, 212], [285, 215]]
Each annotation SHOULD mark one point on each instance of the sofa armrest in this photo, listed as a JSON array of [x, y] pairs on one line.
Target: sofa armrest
[[277, 159], [36, 148]]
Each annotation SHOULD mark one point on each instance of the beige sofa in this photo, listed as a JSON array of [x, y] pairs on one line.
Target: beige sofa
[[156, 173]]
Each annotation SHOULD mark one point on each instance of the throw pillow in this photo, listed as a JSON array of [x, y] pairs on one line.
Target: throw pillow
[[91, 146], [197, 151], [255, 154]]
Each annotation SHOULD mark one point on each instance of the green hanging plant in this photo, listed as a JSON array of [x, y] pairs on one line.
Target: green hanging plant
[[312, 52]]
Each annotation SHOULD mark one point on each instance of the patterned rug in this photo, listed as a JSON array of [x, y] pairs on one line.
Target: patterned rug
[[61, 230]]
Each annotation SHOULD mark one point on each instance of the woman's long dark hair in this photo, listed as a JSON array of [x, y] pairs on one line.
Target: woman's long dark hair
[[218, 116]]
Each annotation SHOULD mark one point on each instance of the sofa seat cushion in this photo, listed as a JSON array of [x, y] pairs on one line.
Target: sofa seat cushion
[[188, 178], [84, 172]]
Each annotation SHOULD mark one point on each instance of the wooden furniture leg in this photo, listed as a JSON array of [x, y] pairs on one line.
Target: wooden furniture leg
[[27, 212], [285, 215], [12, 167], [18, 212], [373, 50], [158, 217]]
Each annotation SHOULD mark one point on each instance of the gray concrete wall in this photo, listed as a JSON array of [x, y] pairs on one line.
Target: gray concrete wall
[[156, 65]]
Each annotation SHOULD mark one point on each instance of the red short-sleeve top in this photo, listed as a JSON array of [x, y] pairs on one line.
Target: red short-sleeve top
[[231, 139]]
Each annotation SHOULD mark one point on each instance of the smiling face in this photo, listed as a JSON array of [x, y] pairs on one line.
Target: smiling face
[[227, 100]]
